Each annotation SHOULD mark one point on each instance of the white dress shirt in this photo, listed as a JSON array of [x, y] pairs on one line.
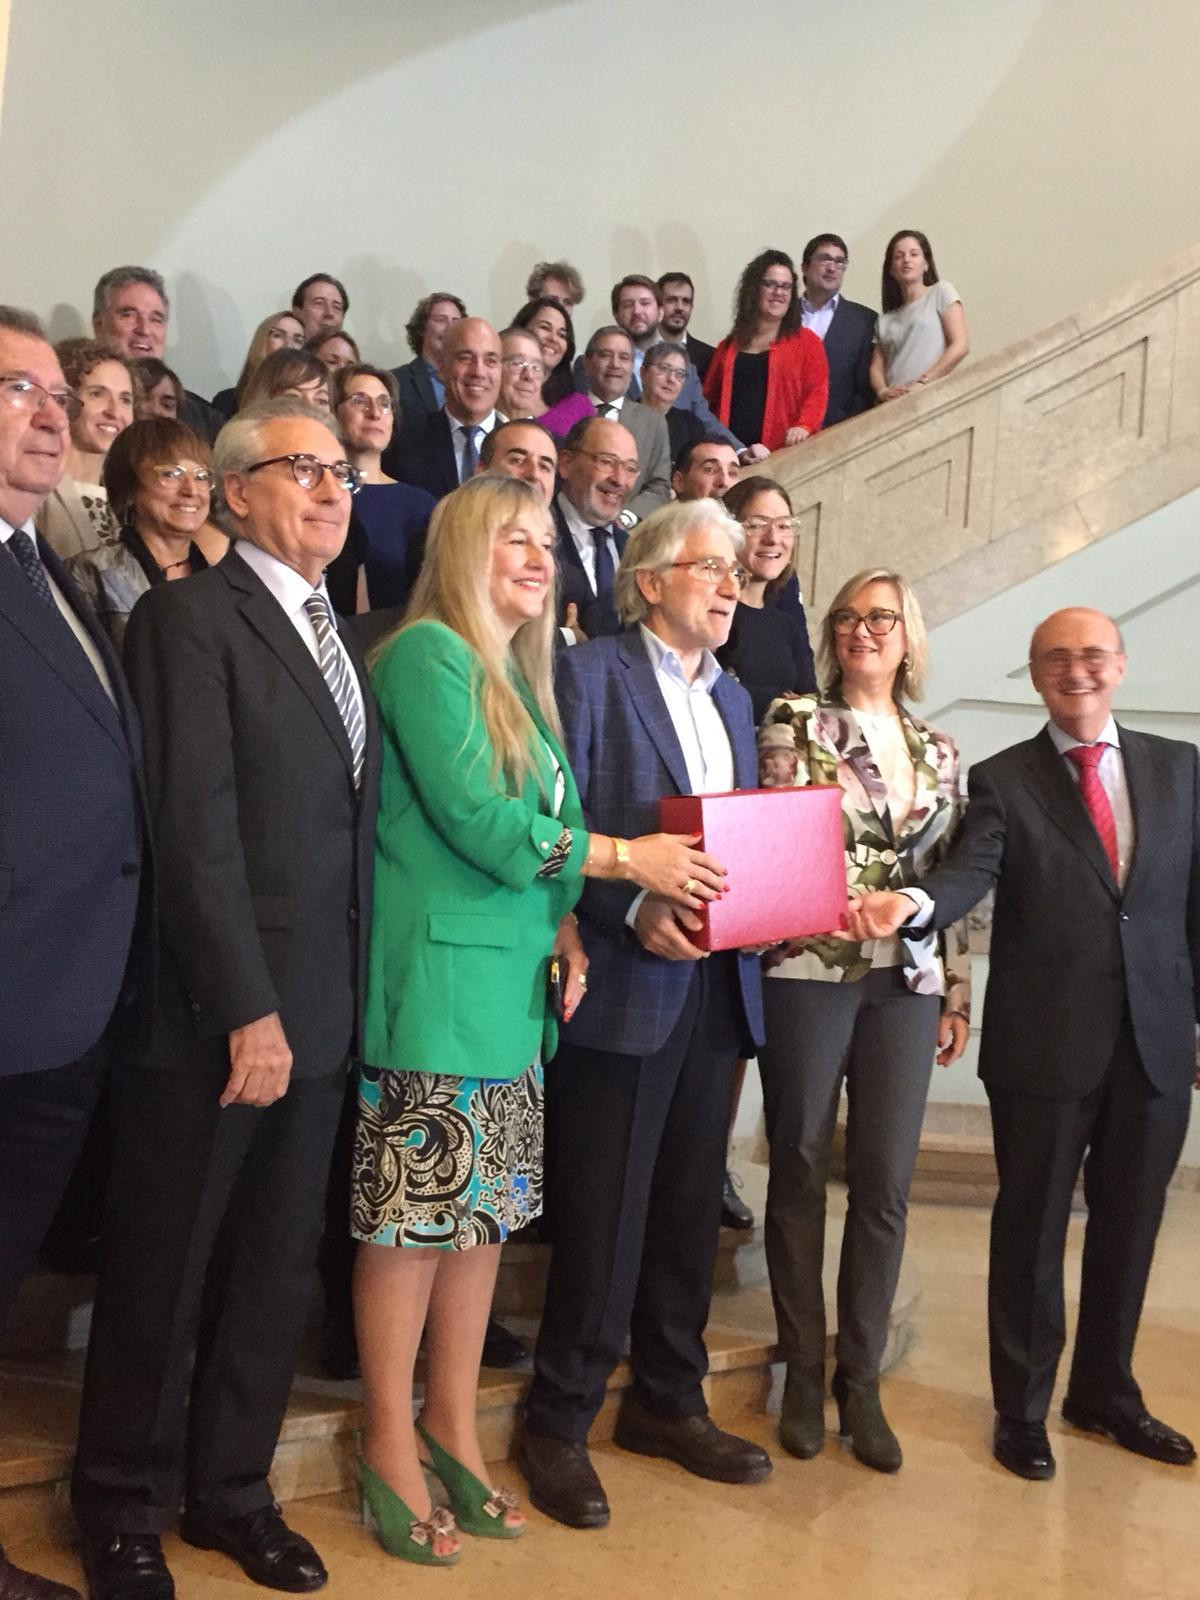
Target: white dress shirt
[[292, 590], [1111, 769], [707, 752], [459, 439], [818, 318], [86, 643], [581, 535], [613, 412]]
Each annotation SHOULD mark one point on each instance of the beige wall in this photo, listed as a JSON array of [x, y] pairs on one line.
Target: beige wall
[[1049, 148]]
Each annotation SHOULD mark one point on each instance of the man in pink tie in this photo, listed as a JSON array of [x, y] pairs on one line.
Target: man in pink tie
[[1090, 836]]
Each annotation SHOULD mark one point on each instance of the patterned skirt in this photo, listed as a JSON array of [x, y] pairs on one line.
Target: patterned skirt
[[445, 1162]]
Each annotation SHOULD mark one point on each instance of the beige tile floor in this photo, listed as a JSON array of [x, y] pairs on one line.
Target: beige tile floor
[[950, 1526]]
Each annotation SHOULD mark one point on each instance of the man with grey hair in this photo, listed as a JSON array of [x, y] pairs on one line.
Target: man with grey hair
[[130, 308], [262, 773], [644, 1073], [1089, 833], [607, 364]]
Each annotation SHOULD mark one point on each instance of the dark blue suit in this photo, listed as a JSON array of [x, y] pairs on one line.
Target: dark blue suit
[[638, 1096], [70, 872]]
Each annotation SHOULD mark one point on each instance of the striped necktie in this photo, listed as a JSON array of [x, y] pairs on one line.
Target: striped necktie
[[336, 671], [470, 455]]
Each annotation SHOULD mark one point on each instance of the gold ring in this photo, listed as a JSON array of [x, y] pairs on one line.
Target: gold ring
[[583, 980], [689, 886]]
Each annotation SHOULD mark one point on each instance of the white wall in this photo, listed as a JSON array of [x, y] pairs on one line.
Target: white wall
[[1049, 148]]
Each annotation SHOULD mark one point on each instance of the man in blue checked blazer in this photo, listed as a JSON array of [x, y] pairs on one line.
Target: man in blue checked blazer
[[638, 1095]]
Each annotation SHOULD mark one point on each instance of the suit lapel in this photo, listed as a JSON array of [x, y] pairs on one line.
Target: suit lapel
[[732, 709], [272, 624], [652, 709], [842, 735], [444, 446], [1052, 787], [1150, 818], [62, 652]]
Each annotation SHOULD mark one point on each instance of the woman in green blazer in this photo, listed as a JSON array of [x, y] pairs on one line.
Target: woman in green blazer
[[480, 855]]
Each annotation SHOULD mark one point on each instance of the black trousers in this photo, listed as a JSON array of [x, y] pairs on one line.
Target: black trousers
[[1128, 1137], [211, 1237], [639, 1152], [44, 1119]]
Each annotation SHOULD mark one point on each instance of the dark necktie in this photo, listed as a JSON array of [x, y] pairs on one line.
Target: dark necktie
[[1087, 758], [604, 407], [607, 611], [335, 669], [470, 455], [24, 553]]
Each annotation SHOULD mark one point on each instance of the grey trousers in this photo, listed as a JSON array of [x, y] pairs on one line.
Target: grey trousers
[[880, 1038]]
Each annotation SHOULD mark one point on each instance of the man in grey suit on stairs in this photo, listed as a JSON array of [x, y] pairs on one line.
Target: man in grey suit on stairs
[[607, 365]]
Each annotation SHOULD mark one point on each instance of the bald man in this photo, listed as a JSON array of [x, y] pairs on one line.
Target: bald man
[[1090, 835], [443, 451]]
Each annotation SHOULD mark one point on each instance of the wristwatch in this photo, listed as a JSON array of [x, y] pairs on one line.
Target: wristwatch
[[628, 519]]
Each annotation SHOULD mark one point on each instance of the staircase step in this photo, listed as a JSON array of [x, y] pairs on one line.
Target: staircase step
[[953, 1169]]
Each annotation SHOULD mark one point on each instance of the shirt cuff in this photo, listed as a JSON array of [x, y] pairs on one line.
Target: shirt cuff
[[568, 636], [635, 905], [924, 912]]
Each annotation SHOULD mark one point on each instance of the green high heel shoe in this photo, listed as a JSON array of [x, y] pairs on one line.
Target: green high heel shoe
[[478, 1509], [397, 1529]]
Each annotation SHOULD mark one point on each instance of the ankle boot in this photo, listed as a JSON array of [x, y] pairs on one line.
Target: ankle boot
[[860, 1416], [802, 1415]]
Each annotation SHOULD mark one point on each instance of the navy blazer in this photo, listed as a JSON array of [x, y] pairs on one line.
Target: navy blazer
[[574, 585], [71, 829], [1073, 956], [625, 756], [848, 342], [418, 398], [423, 455]]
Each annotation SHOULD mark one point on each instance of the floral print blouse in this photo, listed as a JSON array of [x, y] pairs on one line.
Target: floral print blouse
[[814, 739]]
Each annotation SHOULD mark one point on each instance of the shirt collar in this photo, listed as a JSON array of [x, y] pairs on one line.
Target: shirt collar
[[596, 401], [7, 529], [575, 522], [830, 305], [485, 424], [664, 659], [1066, 741], [289, 587]]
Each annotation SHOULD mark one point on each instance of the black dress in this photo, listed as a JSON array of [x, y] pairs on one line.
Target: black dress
[[748, 401], [769, 654]]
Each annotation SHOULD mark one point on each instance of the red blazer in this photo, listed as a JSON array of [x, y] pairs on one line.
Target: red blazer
[[797, 385]]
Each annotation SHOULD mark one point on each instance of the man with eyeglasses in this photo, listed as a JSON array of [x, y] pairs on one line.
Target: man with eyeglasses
[[130, 308], [607, 364], [846, 328], [71, 837], [523, 372], [643, 1078], [598, 467], [443, 451], [1090, 835], [262, 771]]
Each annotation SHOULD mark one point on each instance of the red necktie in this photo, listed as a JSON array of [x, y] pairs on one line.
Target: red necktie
[[1095, 797]]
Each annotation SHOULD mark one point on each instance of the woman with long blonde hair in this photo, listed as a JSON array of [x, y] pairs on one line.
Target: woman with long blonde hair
[[481, 853], [282, 330]]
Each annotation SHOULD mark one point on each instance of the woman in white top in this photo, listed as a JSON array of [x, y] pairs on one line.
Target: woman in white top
[[870, 1015], [922, 332]]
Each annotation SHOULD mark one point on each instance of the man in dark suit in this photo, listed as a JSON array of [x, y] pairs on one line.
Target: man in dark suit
[[597, 467], [261, 769], [443, 451], [70, 836], [847, 329], [1090, 834], [419, 380], [642, 1082], [607, 364], [130, 309], [678, 297]]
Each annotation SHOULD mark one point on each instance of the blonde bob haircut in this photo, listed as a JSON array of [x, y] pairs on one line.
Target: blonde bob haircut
[[259, 351], [655, 544], [454, 588], [909, 682]]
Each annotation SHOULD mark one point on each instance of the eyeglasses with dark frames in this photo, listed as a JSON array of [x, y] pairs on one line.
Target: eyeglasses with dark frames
[[308, 471], [878, 622]]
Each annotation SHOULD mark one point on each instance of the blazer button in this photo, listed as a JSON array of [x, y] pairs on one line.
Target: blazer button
[[195, 1004], [545, 844], [887, 856], [353, 914], [1124, 916]]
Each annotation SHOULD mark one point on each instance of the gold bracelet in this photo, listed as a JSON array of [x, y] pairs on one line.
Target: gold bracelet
[[621, 846]]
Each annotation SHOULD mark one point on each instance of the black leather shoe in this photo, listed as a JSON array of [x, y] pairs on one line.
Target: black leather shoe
[[126, 1566], [695, 1443], [500, 1347], [1024, 1448], [562, 1481], [735, 1213], [17, 1584], [262, 1544], [1144, 1435]]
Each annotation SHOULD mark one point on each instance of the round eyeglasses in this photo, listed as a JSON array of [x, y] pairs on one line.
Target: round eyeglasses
[[308, 471]]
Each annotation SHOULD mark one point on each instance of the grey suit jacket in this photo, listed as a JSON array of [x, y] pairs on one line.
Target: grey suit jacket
[[649, 429], [1072, 953], [691, 399]]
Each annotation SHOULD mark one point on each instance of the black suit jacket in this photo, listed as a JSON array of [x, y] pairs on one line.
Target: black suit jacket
[[699, 354], [71, 828], [417, 397], [1071, 953], [848, 342], [574, 585], [424, 455], [683, 428], [266, 849]]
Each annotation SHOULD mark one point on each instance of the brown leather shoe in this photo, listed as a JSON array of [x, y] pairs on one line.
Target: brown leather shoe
[[695, 1443], [562, 1481], [17, 1584]]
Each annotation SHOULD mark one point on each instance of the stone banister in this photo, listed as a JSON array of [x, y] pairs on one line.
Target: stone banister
[[980, 480]]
